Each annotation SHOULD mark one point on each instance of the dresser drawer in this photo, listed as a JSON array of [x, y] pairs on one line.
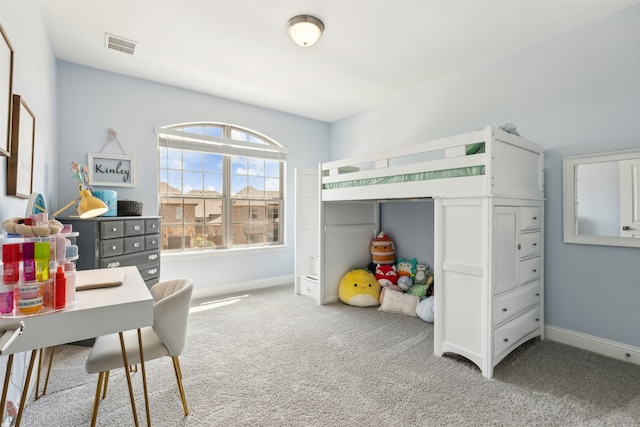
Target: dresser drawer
[[530, 269], [310, 286], [111, 229], [152, 226], [139, 258], [134, 227], [133, 244], [151, 242], [515, 302], [511, 333], [149, 271], [530, 218], [530, 244], [111, 247]]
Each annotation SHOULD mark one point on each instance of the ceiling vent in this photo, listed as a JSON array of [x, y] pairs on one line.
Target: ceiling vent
[[120, 44]]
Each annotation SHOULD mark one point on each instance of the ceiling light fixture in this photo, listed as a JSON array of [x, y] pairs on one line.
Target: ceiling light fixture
[[305, 30]]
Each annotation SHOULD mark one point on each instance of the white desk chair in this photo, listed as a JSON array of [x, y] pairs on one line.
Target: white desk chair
[[172, 300]]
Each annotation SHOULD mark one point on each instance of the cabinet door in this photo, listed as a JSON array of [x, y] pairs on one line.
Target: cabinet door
[[505, 251]]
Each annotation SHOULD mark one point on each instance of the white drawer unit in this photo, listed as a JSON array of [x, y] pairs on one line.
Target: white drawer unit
[[310, 287], [513, 333], [510, 304]]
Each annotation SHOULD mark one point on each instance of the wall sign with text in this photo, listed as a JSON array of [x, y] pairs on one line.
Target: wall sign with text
[[112, 169]]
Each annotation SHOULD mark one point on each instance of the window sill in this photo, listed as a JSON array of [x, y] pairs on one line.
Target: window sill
[[224, 252]]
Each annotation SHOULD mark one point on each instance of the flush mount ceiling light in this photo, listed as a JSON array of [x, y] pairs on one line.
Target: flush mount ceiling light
[[305, 30]]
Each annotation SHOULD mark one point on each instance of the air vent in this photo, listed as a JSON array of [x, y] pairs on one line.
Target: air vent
[[120, 44]]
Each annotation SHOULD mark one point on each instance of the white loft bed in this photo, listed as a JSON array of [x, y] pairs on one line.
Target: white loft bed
[[487, 188]]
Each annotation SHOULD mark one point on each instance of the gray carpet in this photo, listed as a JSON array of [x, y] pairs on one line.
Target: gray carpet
[[270, 358]]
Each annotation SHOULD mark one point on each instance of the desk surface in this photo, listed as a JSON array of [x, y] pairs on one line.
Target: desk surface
[[97, 312]]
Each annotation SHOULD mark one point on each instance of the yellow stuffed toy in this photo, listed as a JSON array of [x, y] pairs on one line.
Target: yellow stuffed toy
[[359, 287]]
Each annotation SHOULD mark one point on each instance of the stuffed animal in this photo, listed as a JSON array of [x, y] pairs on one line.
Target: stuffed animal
[[405, 282], [422, 274], [418, 290], [382, 250], [386, 275], [424, 310], [359, 287], [407, 267]]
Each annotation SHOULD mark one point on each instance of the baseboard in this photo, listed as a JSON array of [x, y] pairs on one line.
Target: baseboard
[[242, 286], [598, 345]]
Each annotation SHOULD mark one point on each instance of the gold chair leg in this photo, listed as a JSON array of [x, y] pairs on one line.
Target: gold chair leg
[[46, 381], [38, 376], [126, 364], [144, 378], [106, 382], [178, 371], [7, 377], [96, 399], [25, 388]]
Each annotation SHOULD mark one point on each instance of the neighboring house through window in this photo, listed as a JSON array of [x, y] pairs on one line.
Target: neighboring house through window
[[220, 186]]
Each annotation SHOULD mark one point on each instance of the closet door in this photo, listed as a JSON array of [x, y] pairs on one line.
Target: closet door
[[505, 249]]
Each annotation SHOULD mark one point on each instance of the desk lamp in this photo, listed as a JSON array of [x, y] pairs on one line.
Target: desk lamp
[[89, 206]]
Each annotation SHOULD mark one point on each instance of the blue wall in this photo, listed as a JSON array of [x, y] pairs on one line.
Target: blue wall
[[577, 93]]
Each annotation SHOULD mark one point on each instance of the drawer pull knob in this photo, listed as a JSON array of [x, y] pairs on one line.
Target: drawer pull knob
[[113, 264], [534, 270], [535, 217], [152, 271], [519, 246], [535, 244], [136, 227], [504, 309], [537, 294], [506, 340], [113, 248], [153, 226], [114, 229], [537, 320], [152, 257], [136, 245]]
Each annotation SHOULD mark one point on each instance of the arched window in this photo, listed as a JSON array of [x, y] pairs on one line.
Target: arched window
[[220, 186]]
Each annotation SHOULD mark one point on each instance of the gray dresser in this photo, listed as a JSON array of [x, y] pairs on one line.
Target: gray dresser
[[108, 242]]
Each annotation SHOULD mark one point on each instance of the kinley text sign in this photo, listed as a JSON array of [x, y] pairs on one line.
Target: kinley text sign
[[110, 169]]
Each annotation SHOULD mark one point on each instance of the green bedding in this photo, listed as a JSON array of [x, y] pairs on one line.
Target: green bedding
[[418, 176]]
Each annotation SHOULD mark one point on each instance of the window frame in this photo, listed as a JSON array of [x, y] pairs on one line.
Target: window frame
[[256, 146]]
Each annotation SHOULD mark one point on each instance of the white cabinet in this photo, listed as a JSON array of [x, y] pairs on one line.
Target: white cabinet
[[307, 219], [489, 281]]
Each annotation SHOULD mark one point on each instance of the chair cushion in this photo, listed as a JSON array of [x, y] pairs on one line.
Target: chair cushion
[[106, 353]]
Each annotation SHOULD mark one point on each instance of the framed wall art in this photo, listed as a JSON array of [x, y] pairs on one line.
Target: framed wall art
[[112, 170], [6, 87], [20, 162]]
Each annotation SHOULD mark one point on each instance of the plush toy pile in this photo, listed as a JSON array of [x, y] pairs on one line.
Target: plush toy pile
[[404, 287]]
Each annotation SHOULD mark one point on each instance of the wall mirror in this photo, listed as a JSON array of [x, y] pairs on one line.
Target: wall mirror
[[602, 198]]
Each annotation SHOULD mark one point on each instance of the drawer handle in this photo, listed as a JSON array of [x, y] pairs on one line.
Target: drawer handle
[[153, 226], [113, 248], [534, 270], [537, 294], [504, 309], [113, 264], [519, 246], [152, 257], [136, 245], [114, 229], [136, 227], [153, 242], [506, 340], [537, 320], [152, 271], [535, 217], [535, 244]]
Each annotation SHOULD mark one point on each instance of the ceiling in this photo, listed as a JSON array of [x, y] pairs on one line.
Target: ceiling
[[370, 52]]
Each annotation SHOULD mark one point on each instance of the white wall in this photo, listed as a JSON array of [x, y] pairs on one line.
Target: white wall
[[577, 93], [34, 79], [92, 101]]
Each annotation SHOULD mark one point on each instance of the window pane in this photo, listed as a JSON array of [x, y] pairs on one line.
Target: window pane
[[162, 157], [216, 131], [272, 186], [213, 184], [239, 185], [240, 211], [192, 160], [213, 163], [272, 168], [174, 180], [256, 167], [192, 183], [174, 158]]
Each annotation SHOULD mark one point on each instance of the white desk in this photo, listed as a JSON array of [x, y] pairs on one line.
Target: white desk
[[97, 312]]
